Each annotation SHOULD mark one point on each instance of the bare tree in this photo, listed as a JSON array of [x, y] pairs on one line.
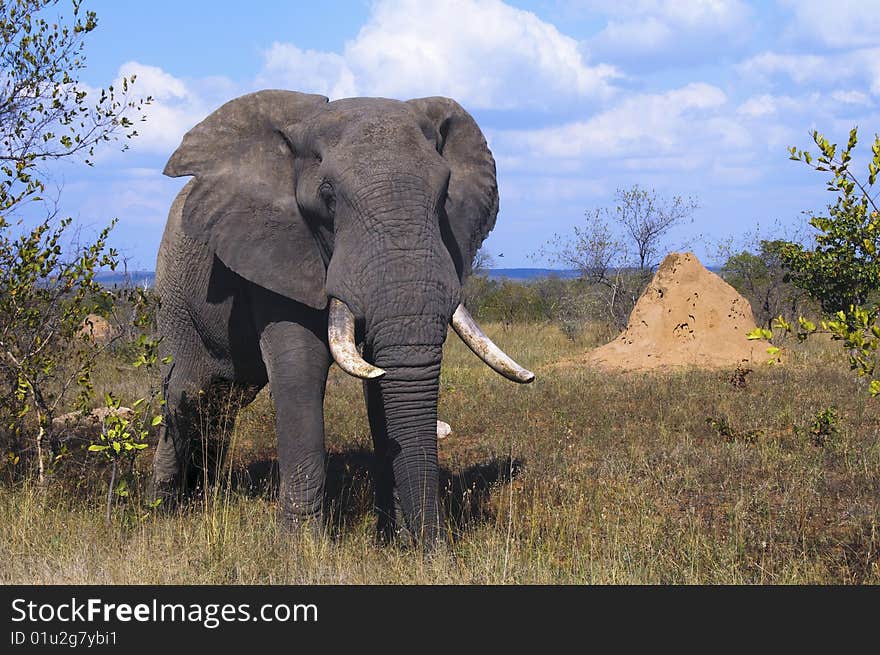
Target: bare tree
[[483, 261], [593, 250], [647, 218], [617, 250]]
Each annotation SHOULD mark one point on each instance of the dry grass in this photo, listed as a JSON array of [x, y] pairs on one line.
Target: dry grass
[[582, 477]]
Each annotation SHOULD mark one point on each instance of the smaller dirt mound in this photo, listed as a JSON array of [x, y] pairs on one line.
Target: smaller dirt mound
[[687, 317], [98, 328], [87, 427]]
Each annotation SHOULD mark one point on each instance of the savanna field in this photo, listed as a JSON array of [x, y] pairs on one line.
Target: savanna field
[[585, 476], [757, 474]]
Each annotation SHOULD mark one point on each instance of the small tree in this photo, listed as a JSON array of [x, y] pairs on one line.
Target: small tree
[[618, 250], [119, 442], [842, 270], [47, 114]]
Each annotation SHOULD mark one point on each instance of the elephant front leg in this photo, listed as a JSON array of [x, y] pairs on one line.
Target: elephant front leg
[[169, 465], [173, 450], [297, 362]]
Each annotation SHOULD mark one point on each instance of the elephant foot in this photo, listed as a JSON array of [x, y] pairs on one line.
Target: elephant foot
[[431, 538], [393, 530], [390, 524]]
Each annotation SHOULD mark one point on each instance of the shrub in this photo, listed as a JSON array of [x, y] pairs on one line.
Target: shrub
[[842, 270], [46, 114]]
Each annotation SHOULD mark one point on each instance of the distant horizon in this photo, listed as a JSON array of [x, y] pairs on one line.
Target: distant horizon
[[139, 277]]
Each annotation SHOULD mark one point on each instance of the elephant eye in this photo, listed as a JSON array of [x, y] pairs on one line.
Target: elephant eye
[[328, 197]]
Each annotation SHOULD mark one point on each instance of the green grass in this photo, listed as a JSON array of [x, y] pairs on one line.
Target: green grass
[[581, 477]]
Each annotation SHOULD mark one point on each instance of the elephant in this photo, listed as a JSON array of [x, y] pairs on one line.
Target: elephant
[[315, 232]]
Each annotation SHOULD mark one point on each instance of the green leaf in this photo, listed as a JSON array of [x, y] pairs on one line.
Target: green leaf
[[96, 448], [782, 324], [156, 421], [806, 324], [759, 333]]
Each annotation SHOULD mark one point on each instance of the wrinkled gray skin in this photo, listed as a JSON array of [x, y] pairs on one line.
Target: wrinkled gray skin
[[379, 203]]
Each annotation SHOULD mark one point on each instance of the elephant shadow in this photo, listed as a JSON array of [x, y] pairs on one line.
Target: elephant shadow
[[466, 495]]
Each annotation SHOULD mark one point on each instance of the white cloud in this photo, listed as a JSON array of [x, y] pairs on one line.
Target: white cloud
[[851, 97], [669, 30], [800, 68], [699, 13], [545, 188], [768, 105], [861, 65], [844, 24], [757, 106], [287, 66], [484, 53], [173, 110], [869, 58], [152, 80], [692, 133], [779, 121], [641, 124]]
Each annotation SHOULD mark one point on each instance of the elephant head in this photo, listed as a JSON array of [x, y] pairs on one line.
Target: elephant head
[[372, 207]]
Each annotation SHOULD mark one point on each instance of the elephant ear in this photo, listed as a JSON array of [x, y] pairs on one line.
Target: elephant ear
[[243, 203], [472, 199]]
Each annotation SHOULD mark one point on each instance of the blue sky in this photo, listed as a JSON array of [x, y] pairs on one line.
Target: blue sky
[[577, 98]]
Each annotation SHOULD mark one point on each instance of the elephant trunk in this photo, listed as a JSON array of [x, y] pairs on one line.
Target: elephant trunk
[[407, 396], [391, 269]]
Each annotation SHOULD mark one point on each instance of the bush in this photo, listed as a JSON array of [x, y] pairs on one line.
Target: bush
[[43, 302], [842, 270], [571, 305], [46, 114], [762, 279]]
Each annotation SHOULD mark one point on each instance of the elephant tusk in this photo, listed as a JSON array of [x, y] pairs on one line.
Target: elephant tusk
[[340, 334], [469, 332], [443, 429]]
